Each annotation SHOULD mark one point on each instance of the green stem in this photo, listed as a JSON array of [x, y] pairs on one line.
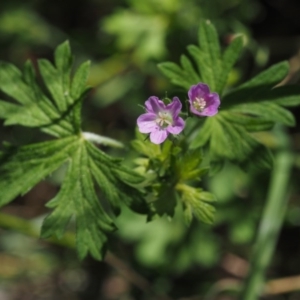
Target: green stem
[[101, 140], [271, 222], [30, 229]]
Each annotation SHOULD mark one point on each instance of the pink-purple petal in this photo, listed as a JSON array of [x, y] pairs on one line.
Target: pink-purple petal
[[154, 105], [213, 103], [174, 107], [146, 123], [213, 99], [209, 111], [199, 90], [177, 127], [158, 136]]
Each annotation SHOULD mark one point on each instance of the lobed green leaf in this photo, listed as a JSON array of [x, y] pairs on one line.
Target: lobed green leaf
[[22, 168], [198, 203], [58, 115], [213, 68]]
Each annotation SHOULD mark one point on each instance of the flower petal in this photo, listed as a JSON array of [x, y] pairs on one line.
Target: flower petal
[[158, 136], [213, 103], [177, 127], [199, 90], [154, 105], [146, 123], [174, 107]]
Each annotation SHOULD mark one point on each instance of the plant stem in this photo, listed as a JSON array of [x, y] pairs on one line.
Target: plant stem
[[29, 228], [271, 222], [102, 140]]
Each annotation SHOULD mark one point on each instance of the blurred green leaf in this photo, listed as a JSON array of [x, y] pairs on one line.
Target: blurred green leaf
[[142, 33]]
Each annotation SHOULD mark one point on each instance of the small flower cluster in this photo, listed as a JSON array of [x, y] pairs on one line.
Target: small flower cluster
[[160, 119]]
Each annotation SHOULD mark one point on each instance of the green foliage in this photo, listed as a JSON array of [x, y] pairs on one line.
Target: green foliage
[[88, 168], [171, 174], [169, 245], [253, 106], [58, 115], [23, 167], [212, 66], [139, 31]]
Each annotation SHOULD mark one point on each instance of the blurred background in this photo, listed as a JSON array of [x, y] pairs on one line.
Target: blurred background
[[125, 39]]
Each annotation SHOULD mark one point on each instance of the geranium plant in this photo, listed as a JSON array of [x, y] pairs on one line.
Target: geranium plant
[[174, 138]]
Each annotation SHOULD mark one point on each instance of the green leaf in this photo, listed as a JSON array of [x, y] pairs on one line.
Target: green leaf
[[250, 122], [121, 179], [286, 96], [90, 172], [229, 139], [267, 111], [165, 201], [254, 106], [198, 203], [189, 70], [54, 83], [58, 115], [7, 108], [38, 111], [178, 76], [213, 68], [201, 135], [187, 167], [63, 58], [22, 168], [79, 80], [230, 56], [77, 197], [203, 63], [256, 88], [209, 43], [145, 147], [12, 83]]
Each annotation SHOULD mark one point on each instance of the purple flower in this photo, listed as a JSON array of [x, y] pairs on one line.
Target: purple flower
[[160, 120], [202, 101]]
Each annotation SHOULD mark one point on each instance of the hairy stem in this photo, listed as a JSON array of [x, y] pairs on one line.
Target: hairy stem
[[102, 140]]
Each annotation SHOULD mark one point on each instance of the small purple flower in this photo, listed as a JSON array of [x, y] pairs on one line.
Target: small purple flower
[[160, 120], [202, 101]]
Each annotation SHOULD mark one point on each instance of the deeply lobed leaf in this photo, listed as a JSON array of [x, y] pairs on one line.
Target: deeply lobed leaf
[[56, 115], [213, 67], [90, 172], [22, 168]]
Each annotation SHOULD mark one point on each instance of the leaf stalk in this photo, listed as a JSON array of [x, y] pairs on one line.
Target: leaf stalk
[[102, 140]]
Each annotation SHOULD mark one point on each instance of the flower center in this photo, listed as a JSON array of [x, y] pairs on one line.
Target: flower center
[[164, 119], [199, 104]]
